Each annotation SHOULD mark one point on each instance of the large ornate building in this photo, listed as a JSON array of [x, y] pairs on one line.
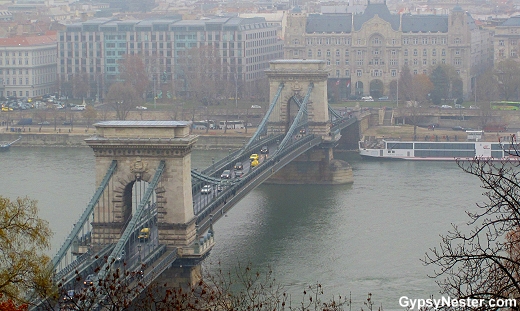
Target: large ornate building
[[365, 52]]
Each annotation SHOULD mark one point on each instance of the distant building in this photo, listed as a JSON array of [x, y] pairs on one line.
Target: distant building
[[507, 40], [27, 66], [245, 47], [365, 52]]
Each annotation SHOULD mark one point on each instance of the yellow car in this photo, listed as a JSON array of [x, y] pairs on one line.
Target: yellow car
[[7, 109], [254, 163], [253, 157]]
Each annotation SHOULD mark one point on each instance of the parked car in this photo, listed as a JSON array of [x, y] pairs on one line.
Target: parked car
[[256, 106], [367, 98], [44, 123], [207, 189], [446, 106], [383, 98], [458, 128], [457, 106], [226, 174], [141, 108], [474, 107], [264, 150], [79, 107]]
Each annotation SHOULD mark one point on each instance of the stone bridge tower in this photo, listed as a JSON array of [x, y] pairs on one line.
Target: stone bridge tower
[[316, 165], [138, 147]]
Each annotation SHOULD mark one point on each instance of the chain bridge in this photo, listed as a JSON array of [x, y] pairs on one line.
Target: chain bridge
[[151, 211]]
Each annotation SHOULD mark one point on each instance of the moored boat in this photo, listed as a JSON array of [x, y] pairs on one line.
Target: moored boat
[[439, 150], [4, 146]]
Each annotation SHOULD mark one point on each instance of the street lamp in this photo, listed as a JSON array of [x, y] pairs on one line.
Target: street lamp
[[139, 250]]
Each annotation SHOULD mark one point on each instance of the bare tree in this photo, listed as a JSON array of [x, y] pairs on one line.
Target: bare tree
[[508, 74], [482, 260], [122, 98], [133, 73]]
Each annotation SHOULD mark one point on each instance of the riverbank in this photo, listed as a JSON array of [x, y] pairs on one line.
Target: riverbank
[[75, 137]]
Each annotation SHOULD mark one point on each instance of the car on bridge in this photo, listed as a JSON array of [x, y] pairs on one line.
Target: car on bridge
[[89, 281], [121, 257], [226, 174], [253, 157], [264, 150], [207, 189], [239, 166], [144, 235]]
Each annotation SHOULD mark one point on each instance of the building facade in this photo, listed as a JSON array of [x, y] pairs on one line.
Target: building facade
[[27, 66], [506, 41], [244, 45], [365, 52]]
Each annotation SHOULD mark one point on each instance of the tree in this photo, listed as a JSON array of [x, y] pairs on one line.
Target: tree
[[133, 73], [9, 305], [405, 83], [90, 114], [441, 85], [421, 86], [508, 75], [23, 238], [80, 85], [482, 260], [487, 87], [123, 98]]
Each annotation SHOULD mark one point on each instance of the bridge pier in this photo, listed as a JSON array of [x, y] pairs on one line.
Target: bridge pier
[[316, 166]]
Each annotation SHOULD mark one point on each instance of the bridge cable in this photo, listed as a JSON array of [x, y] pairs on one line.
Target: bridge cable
[[263, 123], [296, 121], [84, 217], [130, 229]]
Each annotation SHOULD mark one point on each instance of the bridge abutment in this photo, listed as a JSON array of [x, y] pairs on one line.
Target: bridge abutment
[[316, 166]]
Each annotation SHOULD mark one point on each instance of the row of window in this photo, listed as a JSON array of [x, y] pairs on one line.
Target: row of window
[[36, 80], [361, 53], [376, 41], [145, 36]]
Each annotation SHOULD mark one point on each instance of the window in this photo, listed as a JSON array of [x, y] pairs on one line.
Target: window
[[457, 61], [347, 62], [337, 73], [393, 52], [319, 53], [405, 52], [415, 52], [415, 62], [337, 53], [424, 52], [424, 41], [337, 62], [359, 73], [393, 73], [405, 41], [359, 62], [328, 53], [346, 53], [347, 73], [415, 41], [376, 41], [425, 62], [328, 62], [434, 41], [434, 52], [309, 53], [501, 53], [512, 42], [457, 52], [443, 52], [513, 53], [457, 41]]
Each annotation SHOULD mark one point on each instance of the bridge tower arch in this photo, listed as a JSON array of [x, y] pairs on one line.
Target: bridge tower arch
[[139, 147], [296, 75], [317, 165]]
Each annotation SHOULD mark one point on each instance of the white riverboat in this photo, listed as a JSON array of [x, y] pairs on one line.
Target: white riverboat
[[439, 150]]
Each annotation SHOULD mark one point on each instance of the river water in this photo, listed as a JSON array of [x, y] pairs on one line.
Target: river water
[[353, 239]]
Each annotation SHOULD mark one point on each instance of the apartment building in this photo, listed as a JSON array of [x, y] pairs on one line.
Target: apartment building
[[27, 66], [95, 47], [365, 52]]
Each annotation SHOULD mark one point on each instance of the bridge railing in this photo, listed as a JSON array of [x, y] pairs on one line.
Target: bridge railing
[[233, 194]]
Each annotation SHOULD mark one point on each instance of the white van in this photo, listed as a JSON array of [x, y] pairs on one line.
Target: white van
[[79, 107]]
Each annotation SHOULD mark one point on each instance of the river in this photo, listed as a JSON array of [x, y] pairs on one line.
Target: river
[[359, 238]]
